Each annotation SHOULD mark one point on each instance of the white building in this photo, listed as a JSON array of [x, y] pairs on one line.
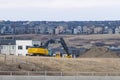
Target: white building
[[75, 31], [117, 30], [8, 49], [7, 46], [18, 47], [79, 28], [22, 46]]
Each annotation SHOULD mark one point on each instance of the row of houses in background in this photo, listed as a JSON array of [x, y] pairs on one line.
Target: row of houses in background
[[59, 30], [95, 30]]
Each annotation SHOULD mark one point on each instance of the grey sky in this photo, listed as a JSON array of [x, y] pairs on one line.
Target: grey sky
[[60, 10]]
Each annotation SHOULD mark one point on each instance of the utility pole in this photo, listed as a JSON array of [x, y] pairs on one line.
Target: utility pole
[[5, 59]]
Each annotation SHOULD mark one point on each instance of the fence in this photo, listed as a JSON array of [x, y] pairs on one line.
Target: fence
[[55, 73], [13, 59]]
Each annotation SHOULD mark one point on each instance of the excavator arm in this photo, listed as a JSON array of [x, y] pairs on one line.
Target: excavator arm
[[48, 42], [65, 47]]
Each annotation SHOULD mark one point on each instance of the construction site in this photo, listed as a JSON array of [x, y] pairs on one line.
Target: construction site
[[98, 59]]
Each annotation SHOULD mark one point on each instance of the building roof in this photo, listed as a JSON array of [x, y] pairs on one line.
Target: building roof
[[7, 42], [12, 41]]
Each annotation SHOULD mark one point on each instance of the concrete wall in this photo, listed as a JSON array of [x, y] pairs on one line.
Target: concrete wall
[[22, 43], [59, 78]]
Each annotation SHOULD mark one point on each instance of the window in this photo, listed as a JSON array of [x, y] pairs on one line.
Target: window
[[1, 47], [20, 47], [4, 47], [27, 47], [12, 47]]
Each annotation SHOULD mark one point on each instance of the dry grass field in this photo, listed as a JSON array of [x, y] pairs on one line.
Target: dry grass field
[[20, 63], [73, 40], [93, 36]]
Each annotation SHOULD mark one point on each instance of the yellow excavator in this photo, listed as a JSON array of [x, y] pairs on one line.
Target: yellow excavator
[[40, 50], [43, 50]]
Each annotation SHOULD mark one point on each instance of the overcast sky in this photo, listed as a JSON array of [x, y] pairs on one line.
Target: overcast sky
[[59, 10]]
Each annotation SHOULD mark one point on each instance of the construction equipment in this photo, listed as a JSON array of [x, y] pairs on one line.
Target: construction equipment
[[65, 48], [40, 50], [43, 50], [57, 55]]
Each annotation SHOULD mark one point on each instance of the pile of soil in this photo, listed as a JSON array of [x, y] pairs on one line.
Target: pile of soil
[[99, 52]]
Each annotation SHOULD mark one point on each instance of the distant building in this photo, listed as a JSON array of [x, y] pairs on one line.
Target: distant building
[[75, 31], [50, 31], [110, 31], [3, 30], [117, 30], [37, 29], [105, 30], [56, 30], [79, 28], [61, 29], [85, 29], [7, 30], [98, 30], [90, 30], [68, 31], [19, 30]]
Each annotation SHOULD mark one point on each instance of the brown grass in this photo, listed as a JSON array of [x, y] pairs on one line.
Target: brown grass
[[61, 64]]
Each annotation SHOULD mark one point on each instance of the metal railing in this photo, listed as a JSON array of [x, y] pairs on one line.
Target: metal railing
[[56, 73]]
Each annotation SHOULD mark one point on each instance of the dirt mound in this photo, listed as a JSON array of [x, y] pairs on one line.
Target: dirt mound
[[99, 52]]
